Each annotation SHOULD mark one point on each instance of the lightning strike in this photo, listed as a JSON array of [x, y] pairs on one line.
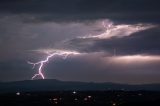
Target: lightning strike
[[41, 64], [111, 30]]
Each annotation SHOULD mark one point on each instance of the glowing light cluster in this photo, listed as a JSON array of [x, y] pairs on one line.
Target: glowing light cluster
[[41, 64]]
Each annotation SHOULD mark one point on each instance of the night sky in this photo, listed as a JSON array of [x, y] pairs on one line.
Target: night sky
[[115, 40]]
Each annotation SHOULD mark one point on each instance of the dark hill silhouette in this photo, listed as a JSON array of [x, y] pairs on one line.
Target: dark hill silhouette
[[56, 85]]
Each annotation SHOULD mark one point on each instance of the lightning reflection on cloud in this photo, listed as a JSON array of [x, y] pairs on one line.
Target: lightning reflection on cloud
[[135, 58], [112, 30]]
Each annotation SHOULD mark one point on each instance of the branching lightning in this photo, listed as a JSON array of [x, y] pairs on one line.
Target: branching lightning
[[111, 30], [41, 64]]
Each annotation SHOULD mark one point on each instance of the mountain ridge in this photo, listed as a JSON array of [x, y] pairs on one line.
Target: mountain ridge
[[57, 85]]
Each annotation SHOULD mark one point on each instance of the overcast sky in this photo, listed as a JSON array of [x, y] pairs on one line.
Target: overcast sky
[[116, 40]]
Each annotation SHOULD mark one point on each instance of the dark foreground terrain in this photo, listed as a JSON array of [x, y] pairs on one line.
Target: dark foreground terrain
[[81, 98]]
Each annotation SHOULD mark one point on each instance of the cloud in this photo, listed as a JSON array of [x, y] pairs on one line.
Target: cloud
[[100, 68], [143, 42], [121, 11], [119, 30], [14, 69], [119, 40]]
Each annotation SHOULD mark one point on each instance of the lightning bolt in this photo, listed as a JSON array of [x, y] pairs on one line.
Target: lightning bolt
[[111, 31], [41, 63]]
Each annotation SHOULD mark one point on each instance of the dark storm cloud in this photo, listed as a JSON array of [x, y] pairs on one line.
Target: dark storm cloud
[[144, 42], [13, 65], [100, 69], [18, 39], [12, 70], [77, 10]]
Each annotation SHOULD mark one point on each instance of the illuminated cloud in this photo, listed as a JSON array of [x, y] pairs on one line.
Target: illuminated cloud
[[95, 28], [135, 59], [119, 30], [76, 46], [57, 51]]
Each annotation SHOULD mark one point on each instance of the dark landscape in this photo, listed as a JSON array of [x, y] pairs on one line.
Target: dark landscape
[[60, 93], [81, 98]]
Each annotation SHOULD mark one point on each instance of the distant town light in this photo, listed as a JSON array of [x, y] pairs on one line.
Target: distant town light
[[56, 102], [85, 99], [18, 93], [139, 94], [114, 104], [74, 92], [75, 99], [89, 96], [55, 99]]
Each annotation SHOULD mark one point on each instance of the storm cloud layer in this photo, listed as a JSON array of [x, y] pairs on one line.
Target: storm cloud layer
[[128, 11], [118, 40]]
